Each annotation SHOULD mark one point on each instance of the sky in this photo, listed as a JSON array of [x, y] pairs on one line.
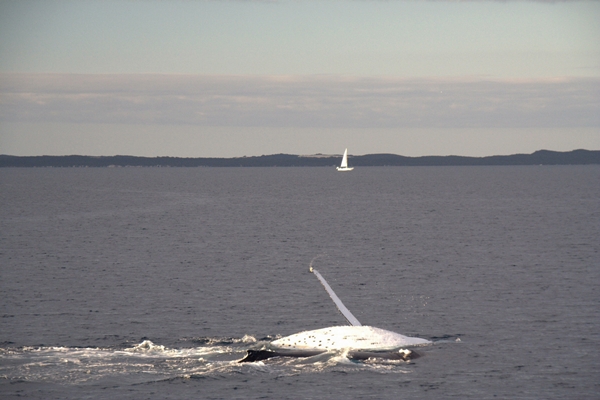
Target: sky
[[193, 78]]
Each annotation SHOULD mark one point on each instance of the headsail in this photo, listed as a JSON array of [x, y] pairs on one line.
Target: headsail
[[338, 303]]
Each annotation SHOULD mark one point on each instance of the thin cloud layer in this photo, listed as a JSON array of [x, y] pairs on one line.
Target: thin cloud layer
[[299, 101]]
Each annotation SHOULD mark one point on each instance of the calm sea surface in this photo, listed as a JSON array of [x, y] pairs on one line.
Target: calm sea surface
[[151, 282]]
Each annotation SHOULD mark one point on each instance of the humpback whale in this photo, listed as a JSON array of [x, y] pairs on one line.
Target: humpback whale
[[360, 342]]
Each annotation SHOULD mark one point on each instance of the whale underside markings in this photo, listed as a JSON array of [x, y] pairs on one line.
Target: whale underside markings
[[347, 337], [359, 342]]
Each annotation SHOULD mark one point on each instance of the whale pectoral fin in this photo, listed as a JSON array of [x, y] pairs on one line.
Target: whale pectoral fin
[[338, 303]]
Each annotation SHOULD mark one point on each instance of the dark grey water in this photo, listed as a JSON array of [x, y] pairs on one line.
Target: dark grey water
[[150, 283]]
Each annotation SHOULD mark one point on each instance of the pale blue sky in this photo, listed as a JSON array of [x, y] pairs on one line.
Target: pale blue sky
[[258, 77], [404, 38]]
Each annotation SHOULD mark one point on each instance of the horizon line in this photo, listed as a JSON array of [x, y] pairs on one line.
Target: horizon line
[[316, 155]]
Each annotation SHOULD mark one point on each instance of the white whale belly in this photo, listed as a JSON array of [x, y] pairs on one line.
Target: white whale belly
[[347, 337]]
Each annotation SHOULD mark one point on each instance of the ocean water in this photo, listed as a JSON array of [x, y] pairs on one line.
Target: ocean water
[[152, 282]]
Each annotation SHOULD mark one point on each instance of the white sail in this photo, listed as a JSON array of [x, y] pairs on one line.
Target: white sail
[[345, 159], [344, 165]]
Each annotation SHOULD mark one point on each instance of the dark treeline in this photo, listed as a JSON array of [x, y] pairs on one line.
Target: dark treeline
[[542, 157]]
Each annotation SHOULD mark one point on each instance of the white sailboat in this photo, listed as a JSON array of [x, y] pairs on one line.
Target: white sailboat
[[344, 165]]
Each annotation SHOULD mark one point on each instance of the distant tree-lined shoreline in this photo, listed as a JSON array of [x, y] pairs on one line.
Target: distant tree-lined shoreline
[[541, 157]]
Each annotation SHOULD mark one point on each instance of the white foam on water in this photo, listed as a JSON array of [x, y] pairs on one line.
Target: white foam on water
[[140, 363], [150, 362]]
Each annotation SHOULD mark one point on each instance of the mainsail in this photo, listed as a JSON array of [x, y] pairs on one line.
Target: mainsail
[[345, 160], [344, 165]]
